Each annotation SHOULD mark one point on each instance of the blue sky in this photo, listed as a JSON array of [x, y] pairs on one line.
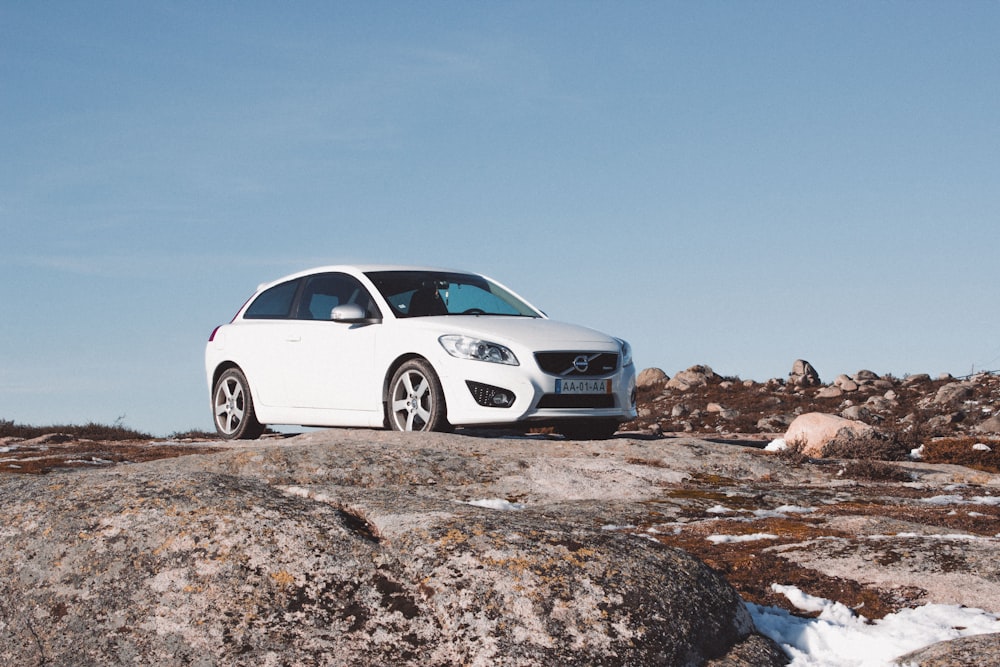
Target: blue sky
[[733, 183]]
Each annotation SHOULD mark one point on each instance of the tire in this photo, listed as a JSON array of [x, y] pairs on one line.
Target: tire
[[416, 400], [588, 429], [232, 408]]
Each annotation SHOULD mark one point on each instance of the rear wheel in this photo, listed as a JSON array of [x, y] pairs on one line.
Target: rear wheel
[[232, 407], [416, 400]]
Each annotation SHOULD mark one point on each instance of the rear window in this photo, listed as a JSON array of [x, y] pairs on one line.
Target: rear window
[[273, 303]]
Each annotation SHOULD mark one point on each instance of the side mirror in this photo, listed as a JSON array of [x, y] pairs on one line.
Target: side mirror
[[350, 313]]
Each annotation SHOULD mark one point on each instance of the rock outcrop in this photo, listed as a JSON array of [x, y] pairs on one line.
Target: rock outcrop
[[695, 376], [814, 433], [803, 374], [915, 407], [340, 554], [965, 652], [651, 377]]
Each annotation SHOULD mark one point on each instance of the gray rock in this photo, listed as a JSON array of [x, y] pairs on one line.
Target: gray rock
[[974, 651], [830, 392], [695, 376], [940, 421], [774, 423], [954, 393], [879, 403], [919, 378], [803, 374], [815, 432], [651, 377], [865, 376], [325, 555], [856, 413], [991, 425], [845, 383]]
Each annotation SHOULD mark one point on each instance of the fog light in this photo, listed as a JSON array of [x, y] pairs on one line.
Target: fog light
[[489, 396]]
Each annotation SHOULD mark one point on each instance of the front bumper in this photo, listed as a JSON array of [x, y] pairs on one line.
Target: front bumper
[[471, 391]]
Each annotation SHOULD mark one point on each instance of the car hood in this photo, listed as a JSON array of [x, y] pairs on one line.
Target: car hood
[[536, 333]]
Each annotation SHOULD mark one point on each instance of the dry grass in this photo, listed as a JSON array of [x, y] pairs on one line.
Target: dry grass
[[81, 454], [35, 450], [962, 451], [89, 431]]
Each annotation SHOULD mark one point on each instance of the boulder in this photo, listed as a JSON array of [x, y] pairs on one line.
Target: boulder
[[651, 377], [991, 425], [919, 378], [954, 393], [856, 413], [865, 376], [337, 554], [695, 376], [803, 374], [845, 383], [973, 651], [774, 423], [815, 432], [879, 403], [830, 392]]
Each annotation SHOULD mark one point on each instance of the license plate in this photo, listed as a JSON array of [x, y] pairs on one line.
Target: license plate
[[583, 386]]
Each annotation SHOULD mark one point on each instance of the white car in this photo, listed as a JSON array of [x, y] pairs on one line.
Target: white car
[[412, 349]]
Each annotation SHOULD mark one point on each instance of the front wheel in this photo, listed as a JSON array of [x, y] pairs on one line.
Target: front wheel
[[232, 407], [416, 400]]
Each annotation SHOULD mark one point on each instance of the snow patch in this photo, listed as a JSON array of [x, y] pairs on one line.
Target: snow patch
[[729, 539], [496, 504], [776, 445], [840, 638]]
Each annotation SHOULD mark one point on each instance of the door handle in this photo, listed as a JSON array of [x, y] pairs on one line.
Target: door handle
[[294, 339]]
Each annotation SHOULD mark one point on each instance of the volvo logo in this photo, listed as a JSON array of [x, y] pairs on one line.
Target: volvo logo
[[581, 363]]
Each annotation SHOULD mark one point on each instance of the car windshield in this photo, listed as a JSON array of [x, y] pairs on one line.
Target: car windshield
[[425, 293]]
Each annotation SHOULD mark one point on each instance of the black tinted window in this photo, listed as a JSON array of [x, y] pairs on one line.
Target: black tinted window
[[423, 293], [274, 303]]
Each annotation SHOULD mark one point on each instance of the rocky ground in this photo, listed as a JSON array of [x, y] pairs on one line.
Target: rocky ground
[[876, 531], [698, 400]]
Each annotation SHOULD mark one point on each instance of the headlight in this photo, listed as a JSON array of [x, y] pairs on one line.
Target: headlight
[[626, 352], [464, 347]]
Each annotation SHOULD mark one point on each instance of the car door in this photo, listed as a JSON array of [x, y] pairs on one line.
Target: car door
[[331, 364], [262, 343]]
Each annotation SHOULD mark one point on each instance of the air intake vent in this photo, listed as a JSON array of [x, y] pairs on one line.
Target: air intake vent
[[489, 396]]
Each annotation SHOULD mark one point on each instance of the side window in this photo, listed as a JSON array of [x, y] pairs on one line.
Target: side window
[[274, 303], [325, 291]]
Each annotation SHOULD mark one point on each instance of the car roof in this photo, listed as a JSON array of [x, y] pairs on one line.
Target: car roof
[[356, 268]]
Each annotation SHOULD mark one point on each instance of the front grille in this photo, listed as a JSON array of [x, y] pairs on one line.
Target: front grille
[[567, 364], [577, 401]]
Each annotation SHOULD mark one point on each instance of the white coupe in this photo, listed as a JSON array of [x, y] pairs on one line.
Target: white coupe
[[412, 349]]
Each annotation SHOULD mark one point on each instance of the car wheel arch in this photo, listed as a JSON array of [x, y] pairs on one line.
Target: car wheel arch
[[393, 367], [222, 368]]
